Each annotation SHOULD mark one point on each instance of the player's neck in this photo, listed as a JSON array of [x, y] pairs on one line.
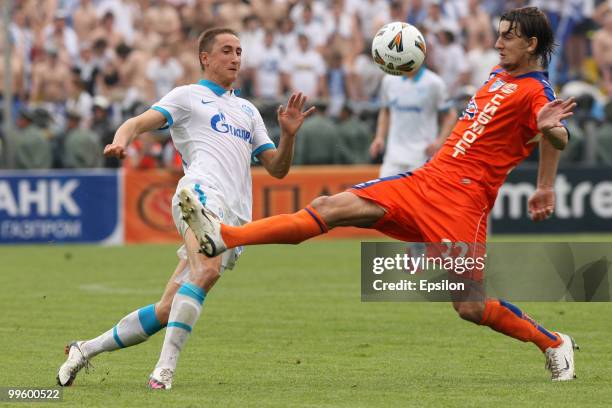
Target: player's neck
[[212, 78], [525, 69]]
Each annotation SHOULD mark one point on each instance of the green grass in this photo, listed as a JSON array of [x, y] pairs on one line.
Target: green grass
[[286, 328]]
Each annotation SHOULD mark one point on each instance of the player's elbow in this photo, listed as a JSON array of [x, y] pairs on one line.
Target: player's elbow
[[558, 138], [279, 173], [559, 142], [276, 171]]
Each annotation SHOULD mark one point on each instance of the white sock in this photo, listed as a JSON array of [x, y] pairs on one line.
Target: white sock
[[133, 329], [184, 314]]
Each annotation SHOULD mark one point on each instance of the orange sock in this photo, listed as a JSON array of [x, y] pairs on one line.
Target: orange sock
[[279, 229], [508, 319]]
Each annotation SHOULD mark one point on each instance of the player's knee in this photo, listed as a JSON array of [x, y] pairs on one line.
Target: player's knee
[[470, 311], [162, 310], [320, 204], [205, 275]]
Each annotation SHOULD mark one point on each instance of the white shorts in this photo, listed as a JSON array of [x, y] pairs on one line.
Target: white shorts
[[213, 200], [391, 169]]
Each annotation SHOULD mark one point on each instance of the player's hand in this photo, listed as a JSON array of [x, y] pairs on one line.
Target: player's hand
[[115, 150], [432, 148], [290, 118], [377, 147], [551, 114], [541, 204]]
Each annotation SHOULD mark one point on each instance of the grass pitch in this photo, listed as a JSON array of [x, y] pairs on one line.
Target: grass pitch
[[285, 329]]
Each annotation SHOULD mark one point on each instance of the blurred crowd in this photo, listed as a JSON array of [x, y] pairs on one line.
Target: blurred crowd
[[81, 67]]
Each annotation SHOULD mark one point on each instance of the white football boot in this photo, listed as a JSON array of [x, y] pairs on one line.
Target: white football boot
[[203, 222], [161, 379], [74, 363], [560, 360]]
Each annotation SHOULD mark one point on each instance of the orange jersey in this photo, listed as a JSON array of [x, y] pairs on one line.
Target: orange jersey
[[497, 130]]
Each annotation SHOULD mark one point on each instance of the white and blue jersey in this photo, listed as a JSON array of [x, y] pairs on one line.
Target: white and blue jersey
[[414, 104], [216, 133]]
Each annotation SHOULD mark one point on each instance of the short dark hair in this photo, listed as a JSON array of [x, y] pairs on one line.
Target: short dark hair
[[207, 39], [532, 22]]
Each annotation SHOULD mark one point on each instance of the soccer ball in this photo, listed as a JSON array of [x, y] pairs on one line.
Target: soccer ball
[[398, 48]]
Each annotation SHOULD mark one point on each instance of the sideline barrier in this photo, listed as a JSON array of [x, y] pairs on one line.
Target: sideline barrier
[[149, 194], [61, 206], [148, 198], [112, 207]]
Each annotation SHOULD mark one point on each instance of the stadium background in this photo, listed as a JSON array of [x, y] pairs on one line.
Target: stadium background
[[79, 68]]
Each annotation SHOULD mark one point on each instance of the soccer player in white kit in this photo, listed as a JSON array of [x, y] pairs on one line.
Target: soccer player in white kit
[[409, 116], [217, 134]]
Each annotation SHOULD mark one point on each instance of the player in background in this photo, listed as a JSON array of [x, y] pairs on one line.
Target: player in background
[[412, 101], [217, 134], [449, 198]]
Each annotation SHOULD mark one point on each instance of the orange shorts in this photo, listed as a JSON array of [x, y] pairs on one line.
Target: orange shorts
[[422, 208]]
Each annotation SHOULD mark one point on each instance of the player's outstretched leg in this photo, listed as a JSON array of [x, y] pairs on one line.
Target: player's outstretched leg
[[323, 214], [205, 225], [133, 329], [185, 311], [506, 318]]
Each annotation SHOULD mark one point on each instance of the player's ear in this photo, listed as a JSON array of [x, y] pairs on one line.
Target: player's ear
[[204, 59], [532, 44]]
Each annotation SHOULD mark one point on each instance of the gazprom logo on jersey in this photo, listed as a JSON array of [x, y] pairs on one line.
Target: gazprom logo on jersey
[[219, 124], [60, 206]]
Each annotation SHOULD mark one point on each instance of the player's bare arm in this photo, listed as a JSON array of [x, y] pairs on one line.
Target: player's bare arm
[[448, 122], [382, 127], [278, 161], [131, 128], [549, 121], [541, 204]]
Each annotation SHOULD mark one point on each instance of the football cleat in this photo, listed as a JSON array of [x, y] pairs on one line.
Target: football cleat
[[73, 364], [203, 222], [560, 359], [161, 379]]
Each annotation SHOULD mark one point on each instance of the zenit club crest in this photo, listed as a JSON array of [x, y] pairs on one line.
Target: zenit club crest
[[396, 43]]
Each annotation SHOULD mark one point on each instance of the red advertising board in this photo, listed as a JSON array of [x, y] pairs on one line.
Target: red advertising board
[[148, 195]]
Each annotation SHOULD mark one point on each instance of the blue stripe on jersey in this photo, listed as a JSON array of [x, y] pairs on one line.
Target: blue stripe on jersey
[[419, 74], [496, 71], [148, 320], [542, 77], [216, 88], [262, 148], [201, 194], [166, 114], [380, 180]]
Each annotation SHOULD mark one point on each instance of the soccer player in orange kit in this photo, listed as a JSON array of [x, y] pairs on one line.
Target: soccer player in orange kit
[[448, 199]]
